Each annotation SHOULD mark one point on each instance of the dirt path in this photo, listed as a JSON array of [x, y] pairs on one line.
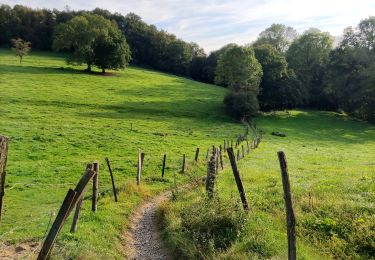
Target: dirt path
[[143, 239]]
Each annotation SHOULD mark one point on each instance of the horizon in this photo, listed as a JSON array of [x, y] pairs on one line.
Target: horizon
[[213, 24]]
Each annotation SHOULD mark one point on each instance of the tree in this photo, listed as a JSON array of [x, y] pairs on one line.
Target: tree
[[277, 35], [349, 83], [20, 47], [239, 70], [111, 50], [280, 88], [93, 40], [308, 56]]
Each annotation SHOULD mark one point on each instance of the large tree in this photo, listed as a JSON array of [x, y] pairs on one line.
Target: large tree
[[93, 40], [280, 88], [279, 36], [308, 56], [239, 70], [350, 79]]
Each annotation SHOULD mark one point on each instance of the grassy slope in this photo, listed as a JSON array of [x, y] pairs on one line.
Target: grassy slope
[[330, 157], [59, 120]]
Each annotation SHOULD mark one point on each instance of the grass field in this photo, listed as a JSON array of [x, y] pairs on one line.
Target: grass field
[[332, 173], [59, 119]]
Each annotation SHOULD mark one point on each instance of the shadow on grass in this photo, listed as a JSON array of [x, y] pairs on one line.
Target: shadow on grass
[[51, 70]]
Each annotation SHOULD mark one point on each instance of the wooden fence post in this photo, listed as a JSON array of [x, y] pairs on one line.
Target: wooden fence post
[[290, 218], [237, 178], [141, 157], [95, 187], [113, 181], [221, 160], [217, 159], [4, 142], [211, 174], [77, 212], [183, 164], [196, 154], [162, 170], [57, 225]]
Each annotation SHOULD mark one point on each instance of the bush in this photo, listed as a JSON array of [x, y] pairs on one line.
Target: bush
[[203, 227]]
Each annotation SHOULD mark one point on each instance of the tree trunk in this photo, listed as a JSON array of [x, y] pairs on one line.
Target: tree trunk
[[103, 70], [20, 59], [88, 67]]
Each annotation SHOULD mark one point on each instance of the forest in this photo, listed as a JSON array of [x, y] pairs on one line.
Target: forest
[[308, 70]]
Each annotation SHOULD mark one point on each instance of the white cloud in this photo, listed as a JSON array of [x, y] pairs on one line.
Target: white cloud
[[213, 23]]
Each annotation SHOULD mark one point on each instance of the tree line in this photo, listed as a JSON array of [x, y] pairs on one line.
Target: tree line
[[280, 70]]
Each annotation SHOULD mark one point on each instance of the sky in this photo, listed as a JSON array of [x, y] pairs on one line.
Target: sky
[[214, 23]]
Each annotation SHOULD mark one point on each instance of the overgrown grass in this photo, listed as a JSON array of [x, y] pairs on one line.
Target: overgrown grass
[[332, 173], [59, 119]]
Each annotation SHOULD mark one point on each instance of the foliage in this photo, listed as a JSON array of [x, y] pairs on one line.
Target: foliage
[[279, 36], [20, 48], [308, 56], [205, 226], [93, 40], [239, 70], [280, 89]]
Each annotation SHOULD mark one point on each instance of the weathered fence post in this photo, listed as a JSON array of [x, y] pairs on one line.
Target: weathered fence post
[[141, 157], [113, 181], [57, 225], [77, 212], [237, 178], [95, 187], [183, 164], [4, 142], [217, 159], [163, 168], [211, 174], [290, 218], [221, 160], [196, 154]]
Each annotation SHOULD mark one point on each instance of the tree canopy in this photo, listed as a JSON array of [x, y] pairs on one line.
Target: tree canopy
[[308, 56], [239, 70], [93, 40], [20, 47], [279, 36], [280, 87]]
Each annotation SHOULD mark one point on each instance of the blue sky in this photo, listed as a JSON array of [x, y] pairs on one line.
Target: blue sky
[[214, 23]]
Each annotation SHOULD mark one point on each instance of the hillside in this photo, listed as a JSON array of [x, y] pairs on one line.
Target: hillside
[[59, 119]]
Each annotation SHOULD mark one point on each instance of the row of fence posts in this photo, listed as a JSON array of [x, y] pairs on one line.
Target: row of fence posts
[[74, 198]]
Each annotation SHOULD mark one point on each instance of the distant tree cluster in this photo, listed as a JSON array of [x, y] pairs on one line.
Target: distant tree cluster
[[280, 70], [93, 40]]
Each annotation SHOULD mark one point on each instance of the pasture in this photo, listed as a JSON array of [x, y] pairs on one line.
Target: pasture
[[59, 119]]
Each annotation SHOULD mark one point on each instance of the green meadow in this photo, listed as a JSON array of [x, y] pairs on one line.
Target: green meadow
[[59, 119], [332, 174]]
